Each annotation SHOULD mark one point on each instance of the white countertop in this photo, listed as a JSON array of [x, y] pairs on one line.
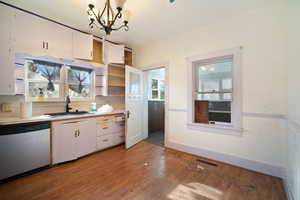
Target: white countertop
[[16, 120]]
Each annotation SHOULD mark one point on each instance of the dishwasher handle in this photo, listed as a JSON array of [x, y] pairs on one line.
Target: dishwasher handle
[[23, 128]]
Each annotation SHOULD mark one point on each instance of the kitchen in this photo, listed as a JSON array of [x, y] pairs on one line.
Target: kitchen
[[51, 90], [154, 99]]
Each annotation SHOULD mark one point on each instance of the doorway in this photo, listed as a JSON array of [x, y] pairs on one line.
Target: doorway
[[155, 93]]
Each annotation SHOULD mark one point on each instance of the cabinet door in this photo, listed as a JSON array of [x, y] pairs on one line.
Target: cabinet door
[[59, 41], [30, 34], [82, 45], [86, 141], [6, 60], [115, 53], [64, 141]]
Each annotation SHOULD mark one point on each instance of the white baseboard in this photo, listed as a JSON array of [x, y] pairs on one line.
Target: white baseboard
[[287, 187], [237, 161]]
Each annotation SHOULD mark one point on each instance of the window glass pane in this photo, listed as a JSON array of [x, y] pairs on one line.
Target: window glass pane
[[227, 84], [210, 85], [154, 84], [82, 91], [214, 92], [162, 95], [41, 89], [134, 84], [79, 76], [215, 97], [79, 80], [227, 96], [43, 71], [212, 77], [154, 94]]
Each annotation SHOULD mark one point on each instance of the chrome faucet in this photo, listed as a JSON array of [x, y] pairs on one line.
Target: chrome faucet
[[68, 101]]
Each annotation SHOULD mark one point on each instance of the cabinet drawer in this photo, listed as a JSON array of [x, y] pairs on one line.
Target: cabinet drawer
[[118, 139], [109, 128], [104, 141]]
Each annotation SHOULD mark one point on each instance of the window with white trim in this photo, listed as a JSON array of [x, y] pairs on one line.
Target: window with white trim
[[215, 91]]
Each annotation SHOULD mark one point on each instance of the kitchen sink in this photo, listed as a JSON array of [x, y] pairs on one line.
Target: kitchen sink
[[67, 113]]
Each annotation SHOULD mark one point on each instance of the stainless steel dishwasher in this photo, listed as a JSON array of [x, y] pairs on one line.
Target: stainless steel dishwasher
[[24, 147]]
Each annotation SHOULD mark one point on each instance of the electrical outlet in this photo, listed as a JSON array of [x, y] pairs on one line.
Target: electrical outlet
[[6, 107]]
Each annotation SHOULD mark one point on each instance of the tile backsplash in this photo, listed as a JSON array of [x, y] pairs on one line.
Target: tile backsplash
[[40, 108]]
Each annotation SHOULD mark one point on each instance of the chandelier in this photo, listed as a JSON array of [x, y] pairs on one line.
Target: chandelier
[[107, 18]]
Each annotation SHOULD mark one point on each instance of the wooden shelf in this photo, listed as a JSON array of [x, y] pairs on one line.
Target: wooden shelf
[[116, 85], [117, 95], [122, 66], [117, 75]]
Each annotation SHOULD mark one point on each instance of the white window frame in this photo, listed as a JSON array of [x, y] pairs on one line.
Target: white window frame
[[92, 85], [235, 127], [64, 86], [51, 99]]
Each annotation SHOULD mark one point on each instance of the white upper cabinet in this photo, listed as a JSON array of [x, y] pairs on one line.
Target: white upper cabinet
[[6, 60], [30, 34], [40, 37], [114, 53], [59, 41], [82, 45]]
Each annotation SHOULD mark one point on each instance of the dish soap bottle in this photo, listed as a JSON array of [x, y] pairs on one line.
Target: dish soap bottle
[[93, 107]]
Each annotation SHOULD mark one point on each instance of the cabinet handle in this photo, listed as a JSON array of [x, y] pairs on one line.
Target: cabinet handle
[[74, 122], [91, 54], [43, 45], [78, 133], [47, 45], [105, 140]]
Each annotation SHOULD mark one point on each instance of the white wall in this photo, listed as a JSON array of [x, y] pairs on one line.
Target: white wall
[[262, 33], [293, 172]]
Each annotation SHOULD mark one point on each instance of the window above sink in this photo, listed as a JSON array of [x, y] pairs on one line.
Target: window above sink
[[49, 81]]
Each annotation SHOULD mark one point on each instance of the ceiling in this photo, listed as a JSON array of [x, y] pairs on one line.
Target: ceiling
[[150, 19]]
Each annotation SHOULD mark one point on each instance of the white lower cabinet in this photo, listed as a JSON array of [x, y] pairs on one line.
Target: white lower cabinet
[[72, 139]]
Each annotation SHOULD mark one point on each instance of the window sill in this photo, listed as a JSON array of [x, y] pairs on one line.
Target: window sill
[[216, 128]]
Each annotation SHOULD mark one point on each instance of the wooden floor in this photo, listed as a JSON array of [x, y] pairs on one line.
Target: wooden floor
[[119, 174]]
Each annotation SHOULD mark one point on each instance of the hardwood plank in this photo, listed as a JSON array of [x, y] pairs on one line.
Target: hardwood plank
[[118, 173]]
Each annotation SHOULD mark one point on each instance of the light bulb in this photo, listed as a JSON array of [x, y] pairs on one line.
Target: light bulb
[[126, 15], [120, 3]]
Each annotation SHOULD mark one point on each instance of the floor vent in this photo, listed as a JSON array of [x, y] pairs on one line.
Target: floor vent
[[207, 162]]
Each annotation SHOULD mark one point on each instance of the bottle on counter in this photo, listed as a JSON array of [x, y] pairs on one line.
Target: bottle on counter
[[93, 107]]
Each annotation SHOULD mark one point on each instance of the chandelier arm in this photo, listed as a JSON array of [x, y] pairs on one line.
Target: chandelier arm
[[96, 25], [122, 26], [102, 12], [117, 16], [97, 17], [111, 12]]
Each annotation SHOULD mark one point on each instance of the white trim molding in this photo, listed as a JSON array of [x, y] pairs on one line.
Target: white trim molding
[[248, 114], [159, 65], [236, 108], [233, 160], [264, 115]]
